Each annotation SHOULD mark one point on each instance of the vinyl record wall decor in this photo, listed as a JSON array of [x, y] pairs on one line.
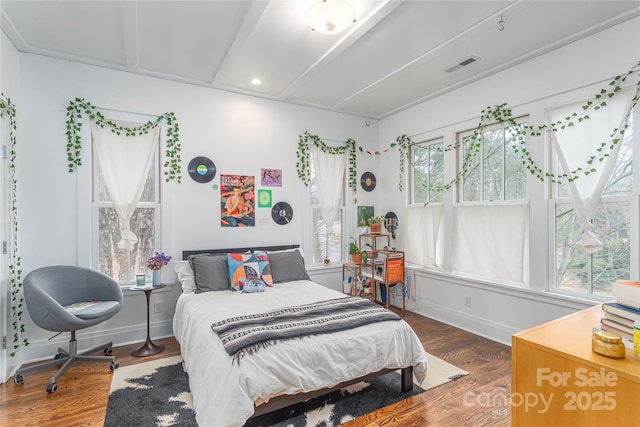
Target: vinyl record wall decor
[[282, 213], [201, 169], [368, 181]]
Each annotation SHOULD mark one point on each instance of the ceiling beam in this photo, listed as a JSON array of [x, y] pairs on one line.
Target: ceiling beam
[[129, 13]]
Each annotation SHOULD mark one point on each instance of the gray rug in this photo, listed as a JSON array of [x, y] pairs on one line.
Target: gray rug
[[157, 393]]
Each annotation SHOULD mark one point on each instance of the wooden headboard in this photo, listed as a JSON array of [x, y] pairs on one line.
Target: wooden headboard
[[185, 254]]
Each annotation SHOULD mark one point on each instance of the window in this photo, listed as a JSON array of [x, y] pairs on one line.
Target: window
[[577, 271], [427, 171], [328, 242], [121, 264], [496, 172]]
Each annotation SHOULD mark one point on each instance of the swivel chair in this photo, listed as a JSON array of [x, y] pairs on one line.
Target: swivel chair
[[50, 291]]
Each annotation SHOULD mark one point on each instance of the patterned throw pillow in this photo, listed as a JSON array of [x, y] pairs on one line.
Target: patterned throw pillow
[[243, 267]]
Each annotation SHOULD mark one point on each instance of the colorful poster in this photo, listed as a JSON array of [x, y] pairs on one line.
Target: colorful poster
[[237, 201], [271, 177], [264, 199], [364, 213]]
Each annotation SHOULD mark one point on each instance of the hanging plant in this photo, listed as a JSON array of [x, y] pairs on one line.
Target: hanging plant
[[303, 165], [501, 114], [79, 106], [7, 109]]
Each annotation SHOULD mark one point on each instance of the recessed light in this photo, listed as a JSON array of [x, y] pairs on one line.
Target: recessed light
[[256, 81]]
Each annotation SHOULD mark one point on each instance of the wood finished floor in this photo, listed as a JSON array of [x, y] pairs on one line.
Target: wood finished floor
[[83, 390]]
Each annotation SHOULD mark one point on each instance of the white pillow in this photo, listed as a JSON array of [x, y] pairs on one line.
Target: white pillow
[[185, 276]]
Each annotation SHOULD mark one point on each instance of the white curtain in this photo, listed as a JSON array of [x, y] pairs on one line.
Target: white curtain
[[424, 235], [329, 170], [574, 145], [125, 162], [491, 241]]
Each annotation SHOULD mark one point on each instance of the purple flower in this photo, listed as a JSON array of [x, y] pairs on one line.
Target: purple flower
[[158, 259]]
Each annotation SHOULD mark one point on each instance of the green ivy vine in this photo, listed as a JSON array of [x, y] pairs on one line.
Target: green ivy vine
[[501, 114], [79, 106], [303, 167], [15, 273]]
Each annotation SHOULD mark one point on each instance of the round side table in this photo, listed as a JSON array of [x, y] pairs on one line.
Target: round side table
[[148, 348]]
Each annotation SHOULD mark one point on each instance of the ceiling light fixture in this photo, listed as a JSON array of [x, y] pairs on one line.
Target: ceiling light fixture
[[330, 16], [256, 81]]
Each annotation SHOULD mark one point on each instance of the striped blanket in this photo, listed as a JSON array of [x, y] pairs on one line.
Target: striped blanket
[[246, 334]]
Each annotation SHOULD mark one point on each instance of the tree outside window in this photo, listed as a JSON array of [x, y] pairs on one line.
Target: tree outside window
[[427, 166]]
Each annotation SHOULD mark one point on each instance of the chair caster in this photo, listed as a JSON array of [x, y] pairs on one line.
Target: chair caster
[[108, 351], [18, 379], [51, 388], [114, 366], [59, 356]]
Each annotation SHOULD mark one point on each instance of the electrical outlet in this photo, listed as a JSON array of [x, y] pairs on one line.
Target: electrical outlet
[[157, 307], [467, 301]]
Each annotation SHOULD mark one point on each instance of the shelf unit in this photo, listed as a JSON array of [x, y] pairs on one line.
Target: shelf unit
[[386, 271], [357, 272], [372, 239]]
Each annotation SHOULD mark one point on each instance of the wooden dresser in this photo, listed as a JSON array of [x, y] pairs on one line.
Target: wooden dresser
[[556, 380]]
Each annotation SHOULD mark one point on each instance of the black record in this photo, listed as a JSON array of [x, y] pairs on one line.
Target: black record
[[282, 213], [201, 169], [368, 181]]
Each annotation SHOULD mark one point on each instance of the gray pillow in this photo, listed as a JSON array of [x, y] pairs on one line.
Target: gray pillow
[[287, 266], [210, 272]]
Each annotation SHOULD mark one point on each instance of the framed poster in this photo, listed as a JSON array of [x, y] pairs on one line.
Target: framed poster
[[271, 177], [364, 213], [237, 201], [264, 199]]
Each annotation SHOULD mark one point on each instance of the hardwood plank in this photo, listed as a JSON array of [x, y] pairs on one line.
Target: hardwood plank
[[83, 390]]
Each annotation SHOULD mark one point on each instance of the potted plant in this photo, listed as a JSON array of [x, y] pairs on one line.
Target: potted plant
[[355, 252], [375, 224]]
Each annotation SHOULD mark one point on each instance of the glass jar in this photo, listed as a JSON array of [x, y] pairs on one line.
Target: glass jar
[[608, 344]]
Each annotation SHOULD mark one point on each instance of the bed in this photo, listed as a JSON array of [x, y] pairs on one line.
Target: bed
[[229, 389]]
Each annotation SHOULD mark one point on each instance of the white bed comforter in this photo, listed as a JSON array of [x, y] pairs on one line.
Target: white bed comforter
[[224, 392]]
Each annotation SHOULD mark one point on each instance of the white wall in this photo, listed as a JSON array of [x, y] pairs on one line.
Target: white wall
[[9, 78], [241, 134], [566, 74]]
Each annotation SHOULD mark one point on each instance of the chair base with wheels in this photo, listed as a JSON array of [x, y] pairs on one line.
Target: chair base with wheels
[[67, 358], [65, 299]]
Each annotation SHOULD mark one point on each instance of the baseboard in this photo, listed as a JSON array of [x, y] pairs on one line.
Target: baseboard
[[45, 349], [494, 331]]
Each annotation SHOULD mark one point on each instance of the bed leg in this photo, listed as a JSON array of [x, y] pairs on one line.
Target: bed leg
[[407, 379]]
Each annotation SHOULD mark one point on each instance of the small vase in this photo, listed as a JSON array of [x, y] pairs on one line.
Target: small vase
[[156, 278]]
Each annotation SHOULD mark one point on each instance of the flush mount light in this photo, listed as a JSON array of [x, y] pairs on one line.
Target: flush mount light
[[330, 16], [256, 81]]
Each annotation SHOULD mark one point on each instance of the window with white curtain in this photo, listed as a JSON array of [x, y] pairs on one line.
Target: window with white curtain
[[328, 241], [107, 257], [496, 172], [614, 222], [427, 171]]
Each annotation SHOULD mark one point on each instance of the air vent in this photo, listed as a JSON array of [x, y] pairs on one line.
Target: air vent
[[464, 63]]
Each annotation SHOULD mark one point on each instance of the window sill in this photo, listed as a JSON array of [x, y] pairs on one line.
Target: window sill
[[520, 291]]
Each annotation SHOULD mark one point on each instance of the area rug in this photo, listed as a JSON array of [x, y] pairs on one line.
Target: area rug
[[156, 393]]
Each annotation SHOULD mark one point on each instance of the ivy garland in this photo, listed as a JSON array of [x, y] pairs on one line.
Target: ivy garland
[[501, 114], [15, 273], [80, 106], [302, 165]]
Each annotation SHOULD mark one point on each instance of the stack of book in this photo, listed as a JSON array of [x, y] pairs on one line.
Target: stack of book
[[620, 315]]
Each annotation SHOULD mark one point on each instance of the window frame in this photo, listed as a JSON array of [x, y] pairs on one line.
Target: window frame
[[460, 154], [557, 196], [96, 205], [428, 143], [342, 214]]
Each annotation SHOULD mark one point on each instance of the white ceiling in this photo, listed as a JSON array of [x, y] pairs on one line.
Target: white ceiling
[[393, 57]]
